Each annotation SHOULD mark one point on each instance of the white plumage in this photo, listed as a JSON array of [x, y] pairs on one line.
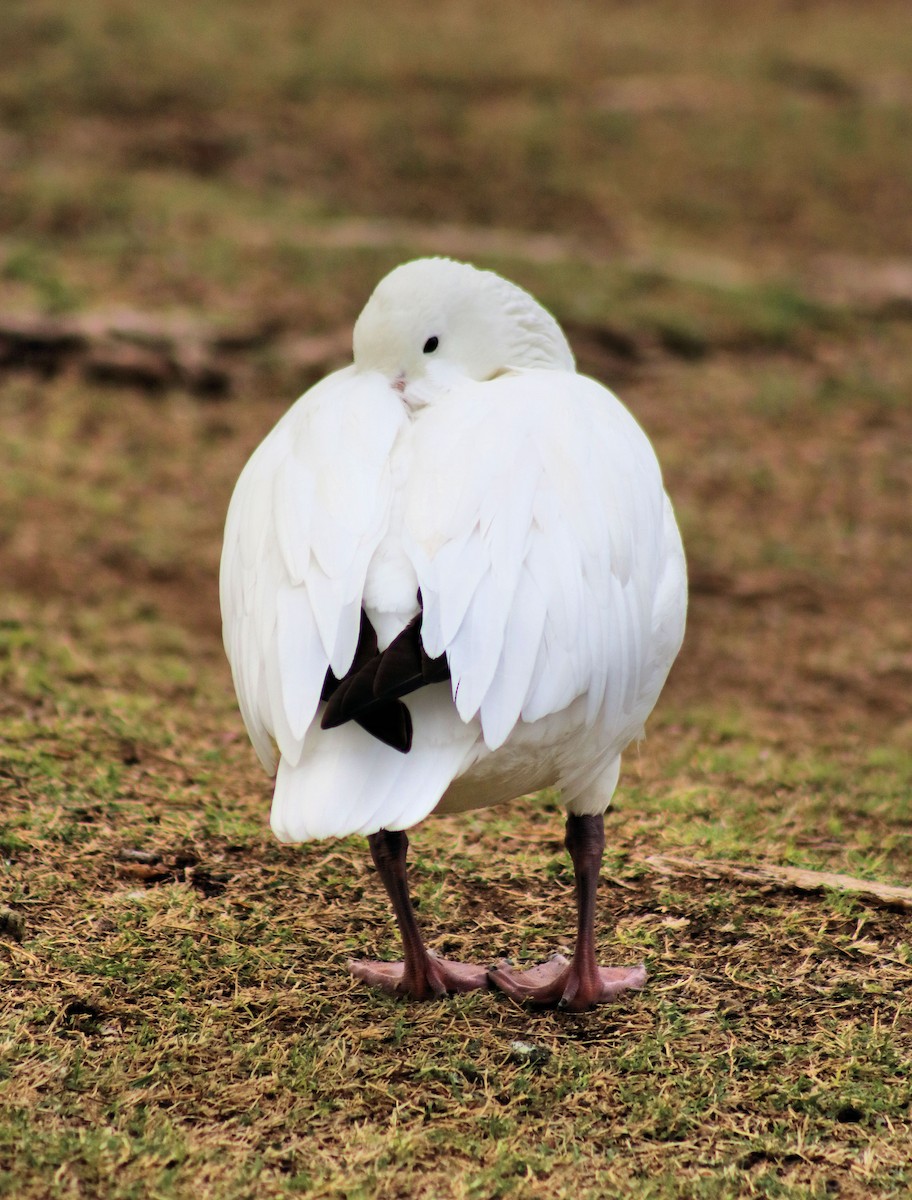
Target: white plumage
[[460, 458]]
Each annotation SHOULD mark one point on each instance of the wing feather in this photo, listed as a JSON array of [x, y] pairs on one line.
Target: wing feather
[[302, 658], [534, 521], [516, 666], [307, 514]]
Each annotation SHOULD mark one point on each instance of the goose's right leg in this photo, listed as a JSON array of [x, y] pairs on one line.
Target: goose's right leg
[[421, 975]]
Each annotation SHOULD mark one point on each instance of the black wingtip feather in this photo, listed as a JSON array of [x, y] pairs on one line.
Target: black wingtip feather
[[370, 692], [390, 723]]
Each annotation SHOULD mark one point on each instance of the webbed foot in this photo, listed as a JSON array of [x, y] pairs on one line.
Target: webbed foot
[[436, 977], [558, 983]]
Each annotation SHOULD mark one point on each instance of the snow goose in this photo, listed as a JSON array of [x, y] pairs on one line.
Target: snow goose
[[451, 577]]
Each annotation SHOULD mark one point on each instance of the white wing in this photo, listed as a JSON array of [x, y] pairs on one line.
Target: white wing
[[536, 523], [306, 516]]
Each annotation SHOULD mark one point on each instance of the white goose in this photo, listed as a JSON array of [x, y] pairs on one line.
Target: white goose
[[451, 576]]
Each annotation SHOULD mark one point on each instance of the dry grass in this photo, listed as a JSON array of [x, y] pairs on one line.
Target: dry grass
[[718, 205]]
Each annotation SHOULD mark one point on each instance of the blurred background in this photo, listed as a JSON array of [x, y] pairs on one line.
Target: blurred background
[[196, 200]]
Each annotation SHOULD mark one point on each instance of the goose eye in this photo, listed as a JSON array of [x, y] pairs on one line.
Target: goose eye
[[431, 345]]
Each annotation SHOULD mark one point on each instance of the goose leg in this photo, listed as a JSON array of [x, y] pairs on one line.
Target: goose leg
[[581, 982], [421, 975]]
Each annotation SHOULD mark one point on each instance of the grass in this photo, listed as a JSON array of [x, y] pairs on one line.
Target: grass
[[707, 201], [200, 1031], [188, 1025]]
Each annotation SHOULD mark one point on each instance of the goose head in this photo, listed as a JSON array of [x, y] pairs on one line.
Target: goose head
[[433, 324]]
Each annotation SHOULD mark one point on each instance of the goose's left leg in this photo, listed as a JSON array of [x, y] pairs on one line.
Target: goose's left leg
[[581, 982], [421, 975]]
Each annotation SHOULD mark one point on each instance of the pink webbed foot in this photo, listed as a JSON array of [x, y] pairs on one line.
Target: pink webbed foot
[[435, 978], [558, 983]]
